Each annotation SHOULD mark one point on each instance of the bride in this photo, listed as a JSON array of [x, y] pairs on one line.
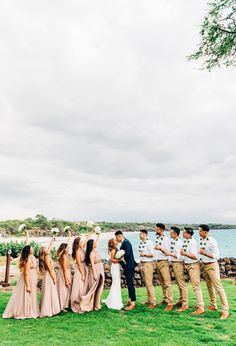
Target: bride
[[114, 300]]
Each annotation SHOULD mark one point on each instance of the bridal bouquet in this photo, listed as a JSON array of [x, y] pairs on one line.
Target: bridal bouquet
[[120, 256]]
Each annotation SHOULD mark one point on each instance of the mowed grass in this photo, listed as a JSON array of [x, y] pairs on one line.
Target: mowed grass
[[138, 327]]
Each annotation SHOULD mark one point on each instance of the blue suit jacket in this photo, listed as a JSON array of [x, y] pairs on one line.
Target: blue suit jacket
[[129, 255]]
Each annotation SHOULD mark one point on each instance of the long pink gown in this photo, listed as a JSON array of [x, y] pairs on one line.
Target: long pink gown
[[79, 287], [23, 304], [49, 303], [92, 300], [63, 291]]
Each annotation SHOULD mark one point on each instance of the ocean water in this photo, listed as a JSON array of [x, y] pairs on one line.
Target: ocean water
[[226, 239]]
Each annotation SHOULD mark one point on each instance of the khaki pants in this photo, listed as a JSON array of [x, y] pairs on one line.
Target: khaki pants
[[147, 269], [178, 268], [211, 274], [163, 272], [194, 271]]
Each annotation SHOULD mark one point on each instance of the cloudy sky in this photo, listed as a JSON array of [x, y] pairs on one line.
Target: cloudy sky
[[102, 117]]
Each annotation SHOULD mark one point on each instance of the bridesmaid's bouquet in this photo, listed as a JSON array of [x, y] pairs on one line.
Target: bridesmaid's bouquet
[[21, 228], [120, 256], [55, 231], [67, 229], [97, 229], [90, 224]]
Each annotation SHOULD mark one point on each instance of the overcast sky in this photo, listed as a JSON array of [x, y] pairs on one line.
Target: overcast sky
[[102, 117]]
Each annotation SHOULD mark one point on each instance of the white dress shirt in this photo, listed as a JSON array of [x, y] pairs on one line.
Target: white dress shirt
[[191, 246], [147, 247], [209, 244], [164, 242], [175, 246]]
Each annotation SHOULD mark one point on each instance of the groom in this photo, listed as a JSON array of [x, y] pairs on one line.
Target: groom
[[128, 267]]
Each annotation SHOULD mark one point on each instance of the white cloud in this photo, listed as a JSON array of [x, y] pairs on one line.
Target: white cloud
[[103, 117]]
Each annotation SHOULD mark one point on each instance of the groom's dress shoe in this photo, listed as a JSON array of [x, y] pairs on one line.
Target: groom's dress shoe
[[152, 306], [130, 307], [198, 312], [128, 303], [182, 309], [169, 308], [224, 315]]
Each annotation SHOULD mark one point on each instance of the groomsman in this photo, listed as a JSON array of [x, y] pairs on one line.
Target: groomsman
[[190, 252], [147, 254], [178, 268], [209, 254], [162, 265]]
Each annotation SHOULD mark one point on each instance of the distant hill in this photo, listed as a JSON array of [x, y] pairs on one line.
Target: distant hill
[[10, 227]]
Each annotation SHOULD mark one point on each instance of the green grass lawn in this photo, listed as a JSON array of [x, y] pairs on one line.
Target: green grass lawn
[[138, 327]]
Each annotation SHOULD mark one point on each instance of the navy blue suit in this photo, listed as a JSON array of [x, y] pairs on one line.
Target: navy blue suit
[[129, 267]]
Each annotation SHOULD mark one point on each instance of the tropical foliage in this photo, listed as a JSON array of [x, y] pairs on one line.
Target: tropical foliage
[[218, 35]]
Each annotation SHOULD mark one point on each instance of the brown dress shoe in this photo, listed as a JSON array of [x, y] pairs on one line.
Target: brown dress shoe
[[198, 312], [224, 315], [212, 308], [169, 308], [128, 303], [152, 306], [130, 307], [182, 309]]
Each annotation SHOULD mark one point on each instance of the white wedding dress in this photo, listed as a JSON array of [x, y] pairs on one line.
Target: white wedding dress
[[114, 299]]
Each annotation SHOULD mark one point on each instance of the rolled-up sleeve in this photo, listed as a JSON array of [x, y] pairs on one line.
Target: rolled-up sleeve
[[214, 250], [194, 250], [151, 248], [166, 244]]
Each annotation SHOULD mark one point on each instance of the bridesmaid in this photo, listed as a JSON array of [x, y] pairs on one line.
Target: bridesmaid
[[64, 275], [49, 302], [79, 285], [23, 302], [91, 301]]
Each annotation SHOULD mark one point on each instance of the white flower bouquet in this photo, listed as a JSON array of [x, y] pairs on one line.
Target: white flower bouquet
[[21, 228], [97, 229], [55, 231], [120, 256], [90, 224], [67, 229]]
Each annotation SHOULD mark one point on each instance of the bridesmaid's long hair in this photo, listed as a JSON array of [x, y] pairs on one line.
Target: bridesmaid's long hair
[[75, 246], [41, 259], [25, 252], [89, 249], [61, 251], [111, 245]]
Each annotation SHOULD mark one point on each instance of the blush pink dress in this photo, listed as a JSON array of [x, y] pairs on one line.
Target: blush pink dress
[[79, 287], [23, 304], [92, 299], [49, 302], [63, 291]]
